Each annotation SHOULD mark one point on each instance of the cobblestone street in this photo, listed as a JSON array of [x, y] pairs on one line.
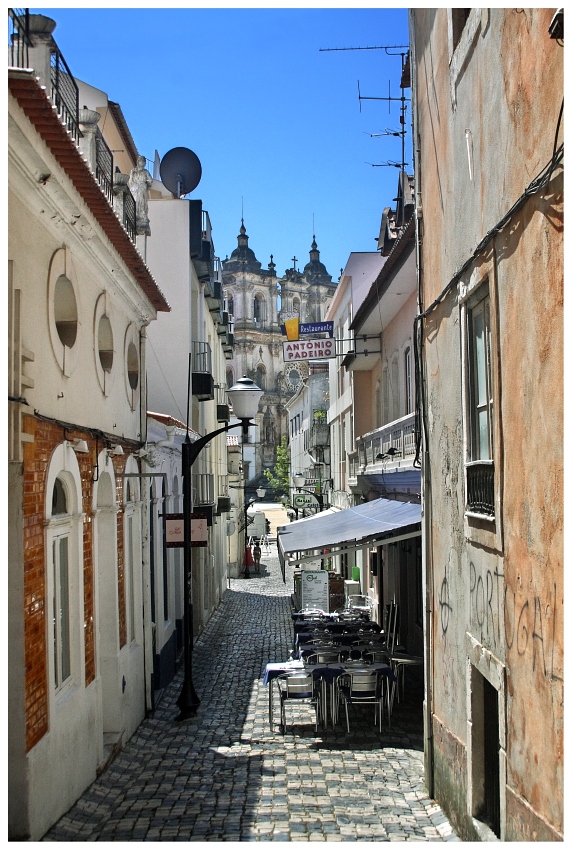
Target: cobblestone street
[[225, 776]]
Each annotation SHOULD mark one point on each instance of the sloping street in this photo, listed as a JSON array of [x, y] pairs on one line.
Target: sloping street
[[225, 776]]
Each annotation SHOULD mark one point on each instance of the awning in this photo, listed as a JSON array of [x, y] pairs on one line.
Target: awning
[[371, 524]]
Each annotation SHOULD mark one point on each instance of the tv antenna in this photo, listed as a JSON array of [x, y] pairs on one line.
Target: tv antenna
[[403, 51], [180, 171]]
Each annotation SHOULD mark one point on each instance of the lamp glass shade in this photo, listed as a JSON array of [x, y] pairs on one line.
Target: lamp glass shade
[[299, 479], [261, 492], [244, 397]]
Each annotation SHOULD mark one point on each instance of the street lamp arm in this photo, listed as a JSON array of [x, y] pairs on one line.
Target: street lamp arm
[[193, 449]]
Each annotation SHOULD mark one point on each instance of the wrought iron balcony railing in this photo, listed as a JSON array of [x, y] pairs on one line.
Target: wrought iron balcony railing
[[104, 165], [65, 93], [481, 487], [18, 37]]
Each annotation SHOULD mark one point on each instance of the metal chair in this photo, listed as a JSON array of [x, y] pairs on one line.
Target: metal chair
[[359, 604], [358, 687], [298, 687]]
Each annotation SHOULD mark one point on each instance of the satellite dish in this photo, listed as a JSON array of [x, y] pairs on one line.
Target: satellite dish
[[180, 171], [230, 527]]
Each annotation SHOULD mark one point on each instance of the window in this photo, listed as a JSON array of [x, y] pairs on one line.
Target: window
[[229, 378], [394, 380], [408, 394], [259, 308], [60, 590], [65, 310], [105, 343], [480, 468], [260, 378]]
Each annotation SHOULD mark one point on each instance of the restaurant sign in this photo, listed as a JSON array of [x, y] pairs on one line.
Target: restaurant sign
[[315, 589], [301, 500], [311, 349]]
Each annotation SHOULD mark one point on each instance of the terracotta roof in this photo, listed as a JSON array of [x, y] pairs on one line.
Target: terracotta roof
[[32, 98]]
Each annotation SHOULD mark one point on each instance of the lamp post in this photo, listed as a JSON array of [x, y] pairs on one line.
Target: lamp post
[[244, 397]]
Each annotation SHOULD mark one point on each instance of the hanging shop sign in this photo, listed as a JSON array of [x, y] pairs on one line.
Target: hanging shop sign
[[174, 531], [311, 349], [294, 329], [199, 529], [303, 500]]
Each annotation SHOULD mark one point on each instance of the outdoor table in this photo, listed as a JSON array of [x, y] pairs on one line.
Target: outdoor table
[[330, 672], [271, 672]]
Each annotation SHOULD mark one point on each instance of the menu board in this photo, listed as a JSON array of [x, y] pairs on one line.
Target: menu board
[[315, 589]]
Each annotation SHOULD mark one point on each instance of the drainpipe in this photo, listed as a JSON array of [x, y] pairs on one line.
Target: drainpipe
[[143, 384], [427, 568]]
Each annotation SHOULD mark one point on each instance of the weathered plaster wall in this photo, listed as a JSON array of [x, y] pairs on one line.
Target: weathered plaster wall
[[486, 121]]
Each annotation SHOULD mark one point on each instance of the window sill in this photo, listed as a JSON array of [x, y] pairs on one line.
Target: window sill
[[483, 530]]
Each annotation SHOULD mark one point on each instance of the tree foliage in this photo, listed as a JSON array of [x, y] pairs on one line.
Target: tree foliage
[[279, 477]]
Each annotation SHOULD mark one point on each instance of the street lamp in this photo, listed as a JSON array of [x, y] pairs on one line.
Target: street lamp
[[244, 397], [299, 480]]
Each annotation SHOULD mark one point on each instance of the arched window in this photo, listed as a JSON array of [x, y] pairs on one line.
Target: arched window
[[259, 308], [260, 378], [230, 305], [61, 590], [229, 378]]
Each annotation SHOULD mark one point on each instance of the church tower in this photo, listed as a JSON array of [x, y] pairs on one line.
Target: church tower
[[256, 297]]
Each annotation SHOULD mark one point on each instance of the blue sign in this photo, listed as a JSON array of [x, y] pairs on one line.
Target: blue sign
[[313, 328]]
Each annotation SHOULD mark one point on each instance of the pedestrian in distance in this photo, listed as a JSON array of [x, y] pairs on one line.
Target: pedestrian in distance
[[257, 552]]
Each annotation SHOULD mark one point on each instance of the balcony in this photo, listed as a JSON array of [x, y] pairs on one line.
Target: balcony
[[202, 484], [201, 371], [200, 242], [213, 288], [393, 443], [65, 94], [18, 38]]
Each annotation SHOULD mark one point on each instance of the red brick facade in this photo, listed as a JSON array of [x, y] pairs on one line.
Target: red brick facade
[[37, 454]]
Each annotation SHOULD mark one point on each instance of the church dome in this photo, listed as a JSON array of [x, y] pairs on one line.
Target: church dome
[[242, 258], [315, 271]]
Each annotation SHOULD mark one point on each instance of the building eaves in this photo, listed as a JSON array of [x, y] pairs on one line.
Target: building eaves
[[33, 100], [398, 254], [117, 113]]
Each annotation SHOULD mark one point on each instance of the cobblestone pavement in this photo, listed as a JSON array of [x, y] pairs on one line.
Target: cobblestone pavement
[[224, 776]]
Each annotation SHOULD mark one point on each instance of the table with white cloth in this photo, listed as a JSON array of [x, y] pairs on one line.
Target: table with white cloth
[[272, 671]]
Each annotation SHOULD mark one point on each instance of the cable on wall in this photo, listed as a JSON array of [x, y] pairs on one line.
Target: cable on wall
[[539, 183]]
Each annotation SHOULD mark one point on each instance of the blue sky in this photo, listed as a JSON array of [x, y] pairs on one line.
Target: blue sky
[[275, 122]]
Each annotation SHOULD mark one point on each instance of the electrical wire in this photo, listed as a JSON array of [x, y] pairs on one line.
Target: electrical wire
[[539, 183]]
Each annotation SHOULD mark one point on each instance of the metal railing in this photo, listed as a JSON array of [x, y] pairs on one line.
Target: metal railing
[[481, 487], [104, 165], [65, 93], [398, 436], [201, 357], [18, 37], [130, 215]]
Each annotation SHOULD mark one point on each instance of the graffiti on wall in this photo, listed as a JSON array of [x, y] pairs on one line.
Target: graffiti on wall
[[527, 623]]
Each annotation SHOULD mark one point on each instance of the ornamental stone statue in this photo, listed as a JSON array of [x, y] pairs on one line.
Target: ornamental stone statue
[[140, 182]]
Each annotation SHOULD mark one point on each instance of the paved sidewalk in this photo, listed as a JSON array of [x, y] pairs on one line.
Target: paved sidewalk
[[224, 776]]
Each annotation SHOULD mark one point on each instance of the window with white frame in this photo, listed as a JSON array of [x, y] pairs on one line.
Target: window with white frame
[[480, 407], [60, 566], [408, 381]]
